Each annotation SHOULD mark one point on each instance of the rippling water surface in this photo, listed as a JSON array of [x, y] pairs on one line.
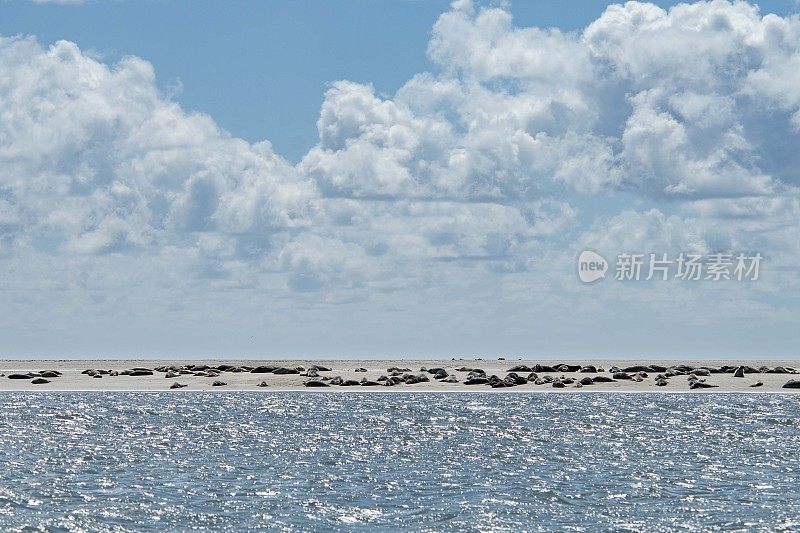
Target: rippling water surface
[[307, 461]]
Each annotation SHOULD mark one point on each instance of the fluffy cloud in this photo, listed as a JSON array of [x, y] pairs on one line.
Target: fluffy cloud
[[694, 102], [648, 129], [95, 160], [98, 162]]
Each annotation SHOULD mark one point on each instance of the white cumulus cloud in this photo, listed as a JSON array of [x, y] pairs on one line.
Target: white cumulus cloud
[[650, 128]]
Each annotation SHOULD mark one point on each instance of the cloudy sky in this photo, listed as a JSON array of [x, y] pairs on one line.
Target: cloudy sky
[[358, 179]]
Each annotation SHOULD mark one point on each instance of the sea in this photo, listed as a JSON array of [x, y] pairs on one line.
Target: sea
[[308, 461]]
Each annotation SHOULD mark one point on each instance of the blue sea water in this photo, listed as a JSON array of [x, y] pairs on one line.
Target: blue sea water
[[399, 462]]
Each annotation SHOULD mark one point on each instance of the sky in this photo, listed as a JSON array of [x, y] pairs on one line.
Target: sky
[[387, 179]]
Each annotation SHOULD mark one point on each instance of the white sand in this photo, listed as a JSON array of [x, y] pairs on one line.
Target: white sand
[[72, 379]]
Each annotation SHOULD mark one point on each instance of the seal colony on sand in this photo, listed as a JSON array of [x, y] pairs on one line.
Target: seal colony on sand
[[381, 375]]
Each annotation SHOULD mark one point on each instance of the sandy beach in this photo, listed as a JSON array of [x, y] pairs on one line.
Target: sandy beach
[[404, 375]]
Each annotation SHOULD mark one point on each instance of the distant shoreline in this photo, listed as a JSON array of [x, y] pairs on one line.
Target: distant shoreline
[[404, 375]]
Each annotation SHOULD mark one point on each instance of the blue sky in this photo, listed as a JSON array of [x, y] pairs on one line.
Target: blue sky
[[261, 68], [433, 172]]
